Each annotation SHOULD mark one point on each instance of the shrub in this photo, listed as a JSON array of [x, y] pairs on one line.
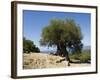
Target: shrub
[[74, 56], [84, 57], [29, 46]]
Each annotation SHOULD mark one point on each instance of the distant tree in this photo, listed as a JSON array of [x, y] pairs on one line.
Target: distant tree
[[28, 46], [63, 34]]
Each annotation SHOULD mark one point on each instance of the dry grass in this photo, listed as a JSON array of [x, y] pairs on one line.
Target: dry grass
[[41, 60]]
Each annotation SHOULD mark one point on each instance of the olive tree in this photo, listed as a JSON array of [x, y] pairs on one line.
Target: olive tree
[[64, 34]]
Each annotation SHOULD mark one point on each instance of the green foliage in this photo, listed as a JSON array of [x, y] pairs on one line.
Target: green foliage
[[84, 57], [28, 46], [62, 32], [74, 56]]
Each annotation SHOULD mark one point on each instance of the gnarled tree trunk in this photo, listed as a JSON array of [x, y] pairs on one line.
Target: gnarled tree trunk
[[61, 51]]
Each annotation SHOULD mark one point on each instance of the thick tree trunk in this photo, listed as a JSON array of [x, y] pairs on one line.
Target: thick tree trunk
[[61, 51], [66, 55]]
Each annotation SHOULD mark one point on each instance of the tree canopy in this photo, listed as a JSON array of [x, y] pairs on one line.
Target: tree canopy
[[63, 34], [29, 46]]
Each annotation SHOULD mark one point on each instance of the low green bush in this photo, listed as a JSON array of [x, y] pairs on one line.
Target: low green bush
[[84, 57], [74, 56]]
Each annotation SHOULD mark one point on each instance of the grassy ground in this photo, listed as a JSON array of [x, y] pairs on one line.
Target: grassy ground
[[41, 60]]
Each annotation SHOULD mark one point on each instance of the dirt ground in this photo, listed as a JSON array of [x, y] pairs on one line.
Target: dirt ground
[[42, 60]]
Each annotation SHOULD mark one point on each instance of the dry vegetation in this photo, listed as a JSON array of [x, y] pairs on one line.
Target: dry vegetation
[[41, 60]]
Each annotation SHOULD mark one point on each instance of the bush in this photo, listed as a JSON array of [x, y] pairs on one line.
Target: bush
[[29, 46], [84, 57], [74, 56]]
